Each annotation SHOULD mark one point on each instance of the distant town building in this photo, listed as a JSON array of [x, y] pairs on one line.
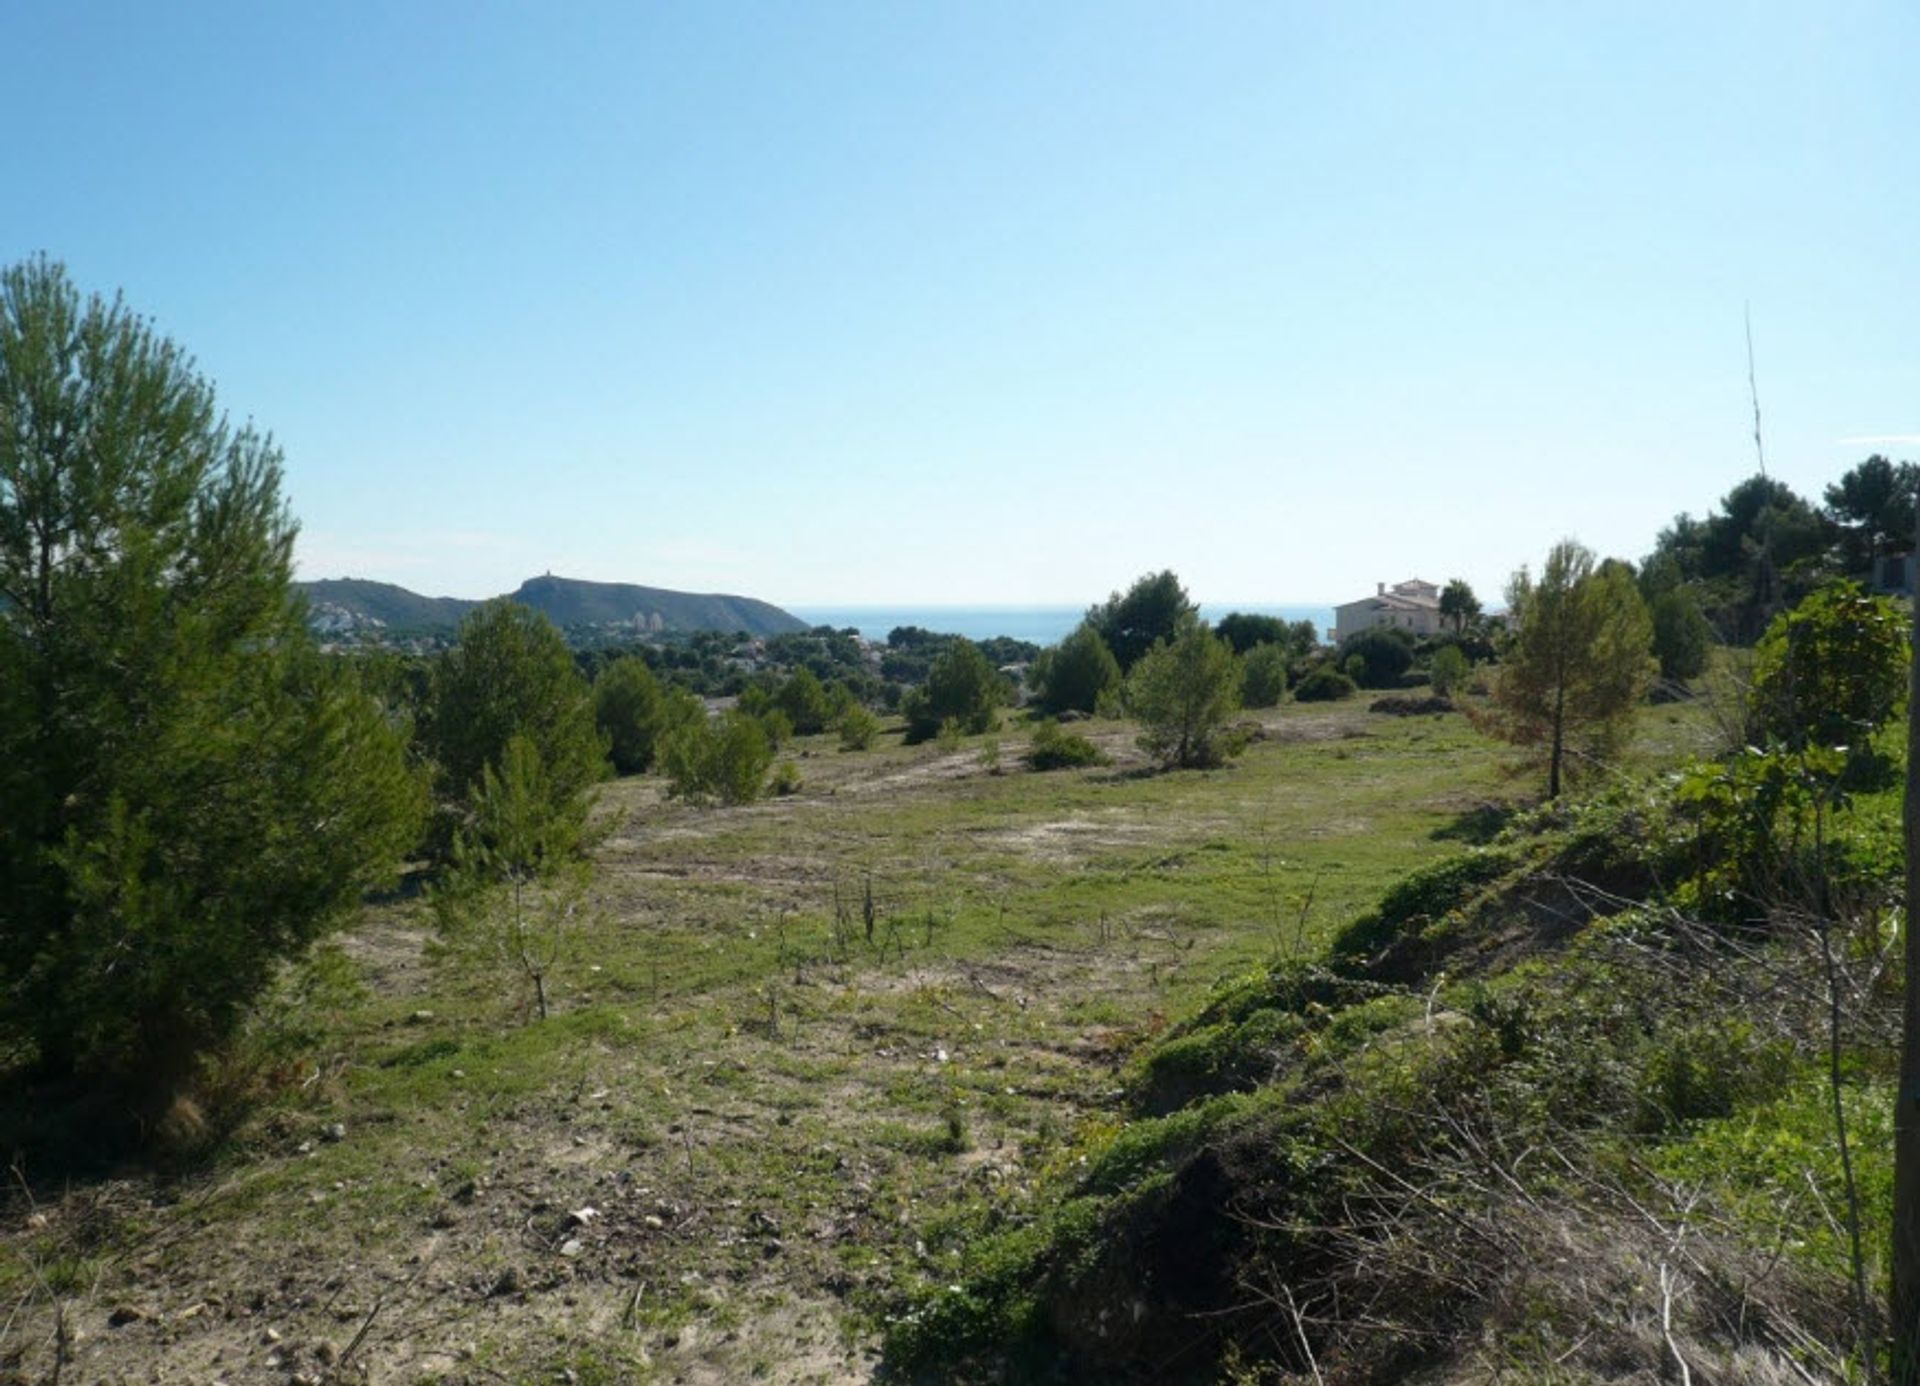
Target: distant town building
[[1413, 606]]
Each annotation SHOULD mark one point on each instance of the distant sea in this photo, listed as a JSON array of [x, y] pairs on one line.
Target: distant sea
[[1043, 625]]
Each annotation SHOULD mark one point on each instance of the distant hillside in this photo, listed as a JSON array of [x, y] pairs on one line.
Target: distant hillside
[[343, 604], [569, 602]]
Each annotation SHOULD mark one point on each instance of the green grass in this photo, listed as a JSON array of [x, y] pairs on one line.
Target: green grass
[[721, 1042], [1775, 1169]]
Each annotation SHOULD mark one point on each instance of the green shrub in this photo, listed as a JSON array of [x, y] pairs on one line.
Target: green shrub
[[1758, 1161], [1831, 671], [858, 727], [776, 724], [514, 884], [1182, 692], [1244, 632], [1424, 896], [1073, 675], [805, 701], [1055, 749], [724, 760], [510, 674], [629, 707], [1263, 676], [786, 779], [963, 687], [1681, 634], [1448, 669], [1325, 685], [1215, 1059], [1384, 654], [1711, 1069]]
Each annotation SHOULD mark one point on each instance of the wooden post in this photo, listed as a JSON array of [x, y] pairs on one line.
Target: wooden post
[[1906, 1118]]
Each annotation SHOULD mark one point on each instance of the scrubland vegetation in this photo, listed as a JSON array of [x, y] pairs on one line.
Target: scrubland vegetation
[[1147, 1008]]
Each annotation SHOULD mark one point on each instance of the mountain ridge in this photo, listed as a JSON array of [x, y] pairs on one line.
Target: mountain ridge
[[340, 605]]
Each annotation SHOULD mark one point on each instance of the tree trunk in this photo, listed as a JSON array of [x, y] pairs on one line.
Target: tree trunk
[[1559, 735], [1906, 1119]]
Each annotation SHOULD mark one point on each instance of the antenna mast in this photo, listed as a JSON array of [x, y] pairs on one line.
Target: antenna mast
[[1753, 389]]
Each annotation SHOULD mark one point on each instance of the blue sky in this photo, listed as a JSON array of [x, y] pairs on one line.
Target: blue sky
[[994, 302]]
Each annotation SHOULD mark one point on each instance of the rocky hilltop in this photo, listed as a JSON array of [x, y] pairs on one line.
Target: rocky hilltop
[[344, 606]]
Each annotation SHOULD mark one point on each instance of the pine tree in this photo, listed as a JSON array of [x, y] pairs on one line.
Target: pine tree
[[1150, 611], [630, 708], [1579, 661], [192, 793], [514, 885], [511, 674], [1182, 692], [1073, 675]]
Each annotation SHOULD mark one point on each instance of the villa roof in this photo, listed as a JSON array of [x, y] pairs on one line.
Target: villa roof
[[1393, 601]]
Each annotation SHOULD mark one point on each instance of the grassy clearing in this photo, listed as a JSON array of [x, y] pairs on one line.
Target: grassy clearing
[[763, 1104], [1512, 1050]]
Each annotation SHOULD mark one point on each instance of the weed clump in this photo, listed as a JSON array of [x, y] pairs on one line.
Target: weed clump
[[1053, 748]]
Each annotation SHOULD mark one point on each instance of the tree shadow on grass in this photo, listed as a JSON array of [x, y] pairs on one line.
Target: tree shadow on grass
[[1125, 774], [1478, 826]]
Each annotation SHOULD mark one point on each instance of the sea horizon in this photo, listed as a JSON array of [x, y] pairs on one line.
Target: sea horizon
[[1040, 624]]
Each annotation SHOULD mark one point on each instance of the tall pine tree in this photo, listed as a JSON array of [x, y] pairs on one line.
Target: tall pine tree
[[192, 793], [1579, 661]]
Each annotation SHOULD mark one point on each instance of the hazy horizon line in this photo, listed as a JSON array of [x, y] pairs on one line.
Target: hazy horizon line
[[896, 604]]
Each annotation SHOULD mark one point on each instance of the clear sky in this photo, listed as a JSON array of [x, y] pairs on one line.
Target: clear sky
[[977, 302]]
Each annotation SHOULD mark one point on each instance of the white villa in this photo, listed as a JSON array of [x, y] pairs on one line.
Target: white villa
[[1413, 605]]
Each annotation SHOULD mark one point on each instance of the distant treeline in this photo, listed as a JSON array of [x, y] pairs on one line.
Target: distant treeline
[[717, 665], [1764, 547]]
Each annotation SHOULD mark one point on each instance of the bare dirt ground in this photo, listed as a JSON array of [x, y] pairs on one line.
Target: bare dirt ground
[[712, 1164]]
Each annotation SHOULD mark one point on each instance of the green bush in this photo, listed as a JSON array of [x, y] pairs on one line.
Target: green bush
[[1384, 654], [1681, 634], [510, 674], [775, 723], [1245, 631], [1448, 670], [1831, 671], [514, 882], [724, 760], [1182, 693], [1422, 897], [1711, 1069], [786, 779], [1214, 1059], [1072, 676], [962, 687], [1325, 685], [805, 701], [1263, 676], [629, 707], [858, 727], [1054, 749], [1151, 611]]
